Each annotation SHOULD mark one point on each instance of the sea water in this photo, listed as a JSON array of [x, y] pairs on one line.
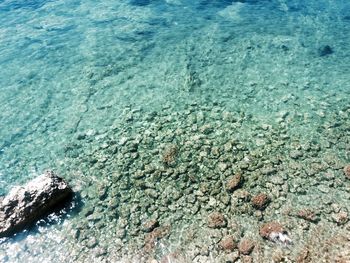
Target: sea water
[[149, 107]]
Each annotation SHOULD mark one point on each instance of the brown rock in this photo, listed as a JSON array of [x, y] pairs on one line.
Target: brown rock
[[260, 201], [307, 215], [227, 243], [246, 246], [347, 171], [274, 232], [272, 227], [234, 182], [216, 220]]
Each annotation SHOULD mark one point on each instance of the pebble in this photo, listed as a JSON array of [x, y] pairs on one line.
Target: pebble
[[246, 246], [347, 171], [92, 242], [227, 243], [340, 218], [295, 154], [247, 259], [323, 189], [277, 180], [206, 129], [148, 226], [260, 201], [242, 195], [216, 220], [152, 193], [222, 166], [307, 215], [123, 141], [234, 182], [268, 170], [232, 257], [138, 174], [100, 251], [268, 228], [303, 256]]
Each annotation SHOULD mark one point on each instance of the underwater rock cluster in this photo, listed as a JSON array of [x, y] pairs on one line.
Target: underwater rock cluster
[[204, 184], [199, 171]]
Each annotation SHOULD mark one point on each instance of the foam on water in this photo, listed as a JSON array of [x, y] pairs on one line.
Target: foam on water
[[78, 76]]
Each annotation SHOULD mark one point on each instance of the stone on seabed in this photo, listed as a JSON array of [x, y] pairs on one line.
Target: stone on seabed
[[24, 205]]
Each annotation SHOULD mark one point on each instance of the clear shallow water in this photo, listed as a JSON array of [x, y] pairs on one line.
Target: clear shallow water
[[76, 76]]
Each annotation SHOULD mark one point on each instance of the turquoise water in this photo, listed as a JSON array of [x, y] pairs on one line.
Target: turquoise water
[[100, 91]]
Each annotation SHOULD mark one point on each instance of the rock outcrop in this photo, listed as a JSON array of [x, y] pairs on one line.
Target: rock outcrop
[[24, 205]]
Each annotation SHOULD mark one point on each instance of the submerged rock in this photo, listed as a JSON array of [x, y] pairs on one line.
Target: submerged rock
[[325, 51], [216, 220], [24, 205], [227, 243], [246, 246], [347, 171], [234, 182], [260, 201], [275, 232], [150, 225], [308, 215]]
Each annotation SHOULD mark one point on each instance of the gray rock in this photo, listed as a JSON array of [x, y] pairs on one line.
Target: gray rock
[[24, 205]]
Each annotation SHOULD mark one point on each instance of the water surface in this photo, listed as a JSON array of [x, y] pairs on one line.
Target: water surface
[[100, 91]]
